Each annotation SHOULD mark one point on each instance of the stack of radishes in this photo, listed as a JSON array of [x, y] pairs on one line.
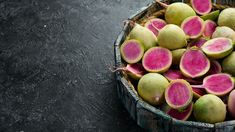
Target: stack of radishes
[[184, 62]]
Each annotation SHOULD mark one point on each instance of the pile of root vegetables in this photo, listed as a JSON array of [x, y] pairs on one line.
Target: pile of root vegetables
[[184, 62]]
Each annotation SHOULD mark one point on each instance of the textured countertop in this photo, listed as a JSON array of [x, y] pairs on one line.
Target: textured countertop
[[54, 60]]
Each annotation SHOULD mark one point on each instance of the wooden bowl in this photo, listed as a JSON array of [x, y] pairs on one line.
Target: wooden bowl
[[147, 116]]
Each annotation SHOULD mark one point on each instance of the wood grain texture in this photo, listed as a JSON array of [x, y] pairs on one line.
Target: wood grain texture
[[54, 60]]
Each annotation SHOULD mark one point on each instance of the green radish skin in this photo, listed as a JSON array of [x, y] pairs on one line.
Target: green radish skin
[[227, 18], [224, 31], [151, 88], [228, 64], [144, 35], [209, 109], [177, 12], [172, 37], [177, 54]]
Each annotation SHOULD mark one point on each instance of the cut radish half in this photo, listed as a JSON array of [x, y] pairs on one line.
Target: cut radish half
[[193, 26], [198, 43], [217, 84], [176, 74], [209, 28], [157, 59], [218, 47], [132, 51], [197, 93], [214, 68], [135, 71], [181, 114], [178, 94], [202, 7], [194, 63], [155, 25]]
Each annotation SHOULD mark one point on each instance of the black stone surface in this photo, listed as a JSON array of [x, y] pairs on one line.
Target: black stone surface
[[54, 60]]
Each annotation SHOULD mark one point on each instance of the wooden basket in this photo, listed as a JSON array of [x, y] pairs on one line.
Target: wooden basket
[[147, 116]]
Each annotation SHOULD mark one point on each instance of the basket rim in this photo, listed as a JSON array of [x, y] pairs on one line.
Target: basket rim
[[118, 75]]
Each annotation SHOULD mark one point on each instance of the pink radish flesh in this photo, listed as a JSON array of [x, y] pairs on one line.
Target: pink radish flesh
[[198, 91], [218, 83], [173, 75], [181, 115], [178, 94], [231, 103], [202, 6], [209, 28], [193, 26], [132, 50], [194, 63], [214, 68], [218, 45], [136, 68], [198, 43], [155, 25], [136, 71], [176, 74], [157, 58]]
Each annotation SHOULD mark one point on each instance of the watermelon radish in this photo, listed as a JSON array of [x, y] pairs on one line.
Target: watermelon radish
[[135, 71], [151, 88], [214, 68], [179, 114], [176, 74], [197, 92], [217, 84], [177, 54], [218, 47], [132, 51], [157, 59], [198, 42], [194, 63], [142, 34], [177, 12], [209, 28], [193, 26], [202, 7], [178, 94], [231, 103], [155, 25]]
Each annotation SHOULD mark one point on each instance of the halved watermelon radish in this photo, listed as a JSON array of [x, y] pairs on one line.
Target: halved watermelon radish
[[176, 74], [197, 92], [132, 51], [178, 94], [217, 84], [209, 28], [202, 7], [157, 59], [218, 47], [214, 68], [194, 63], [181, 114], [198, 42], [193, 26], [155, 25]]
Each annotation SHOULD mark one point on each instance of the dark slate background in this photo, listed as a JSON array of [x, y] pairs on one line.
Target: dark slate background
[[54, 60]]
